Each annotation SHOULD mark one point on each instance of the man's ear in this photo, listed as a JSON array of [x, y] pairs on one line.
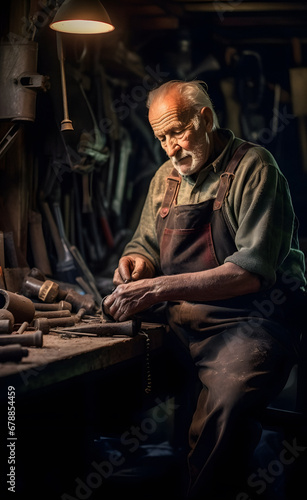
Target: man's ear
[[207, 116]]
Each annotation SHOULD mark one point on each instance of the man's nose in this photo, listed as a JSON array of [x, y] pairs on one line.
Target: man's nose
[[172, 147]]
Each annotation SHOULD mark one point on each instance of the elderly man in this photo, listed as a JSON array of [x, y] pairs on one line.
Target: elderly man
[[217, 242]]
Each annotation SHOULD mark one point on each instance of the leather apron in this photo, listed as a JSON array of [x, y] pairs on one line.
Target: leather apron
[[197, 237]]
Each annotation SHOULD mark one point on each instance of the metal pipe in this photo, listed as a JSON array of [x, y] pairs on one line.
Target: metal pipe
[[45, 324], [59, 306], [34, 339], [12, 353], [52, 314], [6, 318], [22, 327], [128, 328], [66, 123], [47, 291], [21, 307], [5, 326]]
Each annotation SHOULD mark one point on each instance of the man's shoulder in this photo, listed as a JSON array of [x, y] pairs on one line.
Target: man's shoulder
[[255, 157], [261, 155]]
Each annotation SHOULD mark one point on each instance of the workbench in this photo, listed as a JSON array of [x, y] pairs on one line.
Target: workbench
[[64, 357], [73, 390]]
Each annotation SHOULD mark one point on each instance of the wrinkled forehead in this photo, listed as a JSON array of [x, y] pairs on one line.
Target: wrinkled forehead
[[169, 112]]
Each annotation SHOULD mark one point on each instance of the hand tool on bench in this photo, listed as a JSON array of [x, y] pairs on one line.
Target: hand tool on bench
[[5, 326], [45, 324], [58, 306], [34, 339], [49, 291], [12, 353], [52, 314], [7, 321], [23, 327], [101, 329]]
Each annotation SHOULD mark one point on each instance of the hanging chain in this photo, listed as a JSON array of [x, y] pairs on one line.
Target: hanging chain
[[147, 361]]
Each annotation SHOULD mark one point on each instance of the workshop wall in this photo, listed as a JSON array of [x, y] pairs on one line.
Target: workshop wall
[[75, 196]]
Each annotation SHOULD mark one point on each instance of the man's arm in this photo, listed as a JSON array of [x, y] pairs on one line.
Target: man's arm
[[220, 283]]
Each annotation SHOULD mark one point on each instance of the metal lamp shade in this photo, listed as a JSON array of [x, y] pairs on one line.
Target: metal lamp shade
[[83, 17]]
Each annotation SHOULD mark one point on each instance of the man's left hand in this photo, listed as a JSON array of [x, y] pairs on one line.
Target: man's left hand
[[129, 299]]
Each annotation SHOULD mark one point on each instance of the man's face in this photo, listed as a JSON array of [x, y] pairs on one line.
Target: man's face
[[184, 138]]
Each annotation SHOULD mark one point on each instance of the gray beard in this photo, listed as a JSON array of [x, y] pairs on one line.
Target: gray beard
[[197, 162]]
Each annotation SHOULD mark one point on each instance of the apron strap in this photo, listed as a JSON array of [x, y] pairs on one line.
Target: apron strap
[[173, 182], [227, 177]]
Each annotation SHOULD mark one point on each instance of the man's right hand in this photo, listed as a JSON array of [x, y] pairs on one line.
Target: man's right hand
[[132, 268]]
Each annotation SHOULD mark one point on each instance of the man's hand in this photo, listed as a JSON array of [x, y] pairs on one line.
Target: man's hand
[[132, 268], [132, 285], [220, 283], [130, 299]]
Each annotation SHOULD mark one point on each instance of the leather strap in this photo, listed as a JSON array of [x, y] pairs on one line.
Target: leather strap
[[227, 177], [172, 187]]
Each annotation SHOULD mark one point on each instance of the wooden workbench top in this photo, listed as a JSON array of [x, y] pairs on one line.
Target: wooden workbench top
[[62, 358]]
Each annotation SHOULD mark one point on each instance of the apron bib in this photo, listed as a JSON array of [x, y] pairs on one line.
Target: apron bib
[[195, 237]]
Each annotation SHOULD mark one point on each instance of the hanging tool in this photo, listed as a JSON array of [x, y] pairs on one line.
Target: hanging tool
[[65, 265], [72, 254], [103, 216], [68, 263], [119, 196], [37, 240]]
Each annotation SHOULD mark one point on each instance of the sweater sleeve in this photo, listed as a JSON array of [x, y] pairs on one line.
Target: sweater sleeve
[[144, 240], [264, 215]]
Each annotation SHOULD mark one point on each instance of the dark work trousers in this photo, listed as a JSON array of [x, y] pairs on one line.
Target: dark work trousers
[[240, 374], [242, 366]]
